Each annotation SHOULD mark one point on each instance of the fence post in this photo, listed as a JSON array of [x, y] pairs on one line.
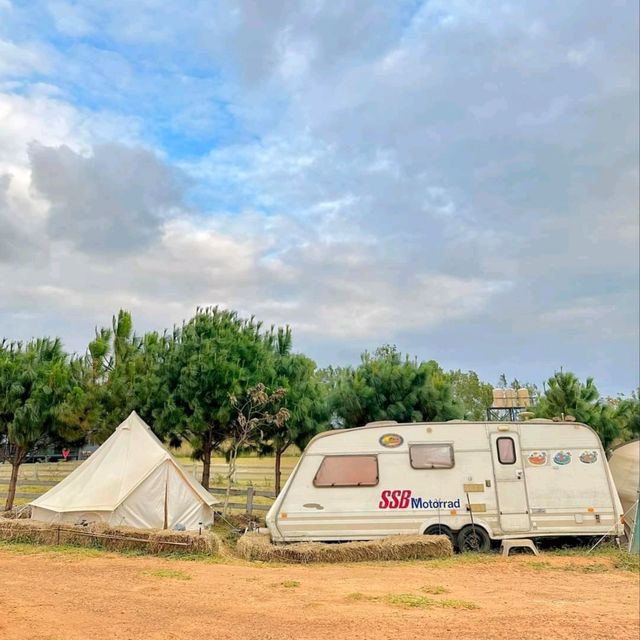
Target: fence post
[[250, 492]]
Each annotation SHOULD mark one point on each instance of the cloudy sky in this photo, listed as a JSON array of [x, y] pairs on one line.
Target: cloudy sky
[[457, 177]]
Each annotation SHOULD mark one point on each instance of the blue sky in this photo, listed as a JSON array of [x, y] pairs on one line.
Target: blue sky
[[458, 178]]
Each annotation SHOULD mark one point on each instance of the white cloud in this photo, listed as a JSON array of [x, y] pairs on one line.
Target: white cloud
[[112, 201], [16, 61], [364, 171]]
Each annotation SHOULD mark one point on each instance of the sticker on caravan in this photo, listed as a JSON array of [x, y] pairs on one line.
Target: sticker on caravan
[[391, 440], [402, 499], [588, 457], [562, 457], [537, 458]]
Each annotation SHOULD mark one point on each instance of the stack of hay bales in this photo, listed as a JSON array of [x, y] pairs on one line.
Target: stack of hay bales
[[106, 537], [256, 546]]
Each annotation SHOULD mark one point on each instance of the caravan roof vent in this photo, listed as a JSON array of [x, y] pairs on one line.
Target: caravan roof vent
[[380, 423]]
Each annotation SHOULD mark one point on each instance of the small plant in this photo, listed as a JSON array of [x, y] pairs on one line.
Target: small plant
[[169, 573]]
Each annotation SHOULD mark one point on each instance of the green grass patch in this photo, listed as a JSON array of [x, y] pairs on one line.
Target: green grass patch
[[434, 589], [627, 561], [290, 584], [28, 549], [585, 568], [175, 574], [411, 601], [617, 559], [31, 549]]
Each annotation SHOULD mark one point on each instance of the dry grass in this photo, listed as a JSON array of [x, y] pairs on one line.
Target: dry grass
[[254, 546], [105, 537]]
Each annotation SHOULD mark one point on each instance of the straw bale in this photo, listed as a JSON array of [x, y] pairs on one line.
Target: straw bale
[[106, 537], [256, 546]]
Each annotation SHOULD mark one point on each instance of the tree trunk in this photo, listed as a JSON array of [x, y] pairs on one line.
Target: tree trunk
[[278, 473], [206, 461], [17, 460], [233, 456]]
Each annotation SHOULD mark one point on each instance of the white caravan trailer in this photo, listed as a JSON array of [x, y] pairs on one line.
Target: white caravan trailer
[[473, 481]]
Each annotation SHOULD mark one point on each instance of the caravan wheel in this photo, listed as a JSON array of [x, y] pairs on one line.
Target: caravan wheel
[[440, 530], [473, 538]]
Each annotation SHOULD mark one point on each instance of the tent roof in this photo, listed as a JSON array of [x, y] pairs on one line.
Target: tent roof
[[114, 471]]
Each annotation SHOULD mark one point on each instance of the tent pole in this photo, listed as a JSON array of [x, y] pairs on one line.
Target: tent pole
[[634, 543]]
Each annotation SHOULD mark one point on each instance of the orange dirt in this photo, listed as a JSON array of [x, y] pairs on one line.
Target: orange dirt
[[68, 596]]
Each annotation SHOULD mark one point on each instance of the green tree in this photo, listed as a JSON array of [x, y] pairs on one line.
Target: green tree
[[627, 415], [305, 399], [35, 381], [386, 386], [113, 377], [208, 360], [565, 395], [471, 393]]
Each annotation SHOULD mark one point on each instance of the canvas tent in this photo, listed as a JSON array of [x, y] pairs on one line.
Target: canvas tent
[[131, 480], [625, 469]]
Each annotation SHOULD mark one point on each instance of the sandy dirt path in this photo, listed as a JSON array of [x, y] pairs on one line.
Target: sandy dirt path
[[66, 596]]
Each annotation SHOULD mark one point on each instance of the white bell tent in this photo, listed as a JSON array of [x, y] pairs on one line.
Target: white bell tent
[[625, 469], [131, 480]]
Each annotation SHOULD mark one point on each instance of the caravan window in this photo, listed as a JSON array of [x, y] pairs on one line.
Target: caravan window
[[347, 471], [506, 451], [431, 456]]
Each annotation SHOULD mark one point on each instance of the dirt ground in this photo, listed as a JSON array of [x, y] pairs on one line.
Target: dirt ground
[[80, 595]]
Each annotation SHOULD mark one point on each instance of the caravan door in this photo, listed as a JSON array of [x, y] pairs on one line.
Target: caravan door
[[511, 488]]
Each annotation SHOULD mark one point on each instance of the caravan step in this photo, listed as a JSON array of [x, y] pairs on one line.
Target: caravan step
[[525, 543]]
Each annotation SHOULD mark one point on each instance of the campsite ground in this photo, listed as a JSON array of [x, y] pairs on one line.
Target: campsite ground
[[74, 594]]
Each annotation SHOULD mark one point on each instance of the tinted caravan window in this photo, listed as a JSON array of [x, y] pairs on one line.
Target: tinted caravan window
[[506, 451], [347, 471], [431, 456]]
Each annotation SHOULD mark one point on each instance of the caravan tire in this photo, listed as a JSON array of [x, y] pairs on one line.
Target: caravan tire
[[440, 530], [473, 538]]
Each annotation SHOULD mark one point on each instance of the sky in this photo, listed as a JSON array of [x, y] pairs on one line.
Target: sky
[[458, 178]]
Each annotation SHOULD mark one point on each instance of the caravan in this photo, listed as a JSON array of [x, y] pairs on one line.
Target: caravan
[[472, 481]]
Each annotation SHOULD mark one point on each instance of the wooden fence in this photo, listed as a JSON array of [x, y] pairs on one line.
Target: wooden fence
[[247, 494]]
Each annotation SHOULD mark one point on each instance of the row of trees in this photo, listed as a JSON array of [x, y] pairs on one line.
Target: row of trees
[[227, 385]]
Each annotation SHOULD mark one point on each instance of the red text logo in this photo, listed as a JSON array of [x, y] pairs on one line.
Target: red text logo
[[396, 499]]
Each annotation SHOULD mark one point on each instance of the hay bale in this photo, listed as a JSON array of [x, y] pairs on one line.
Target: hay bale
[[106, 537], [256, 546], [156, 540]]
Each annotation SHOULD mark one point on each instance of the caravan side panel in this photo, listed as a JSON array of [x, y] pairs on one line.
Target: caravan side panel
[[558, 484]]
